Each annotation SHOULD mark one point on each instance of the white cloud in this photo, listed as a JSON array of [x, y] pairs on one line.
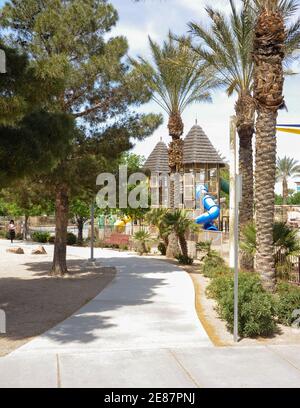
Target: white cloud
[[137, 37]]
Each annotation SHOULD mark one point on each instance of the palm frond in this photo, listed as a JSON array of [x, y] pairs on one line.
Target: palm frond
[[176, 76]]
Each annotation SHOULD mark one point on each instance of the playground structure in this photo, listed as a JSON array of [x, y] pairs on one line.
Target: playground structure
[[201, 166], [212, 213]]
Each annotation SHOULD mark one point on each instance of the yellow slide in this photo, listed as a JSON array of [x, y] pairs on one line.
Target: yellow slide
[[123, 222]]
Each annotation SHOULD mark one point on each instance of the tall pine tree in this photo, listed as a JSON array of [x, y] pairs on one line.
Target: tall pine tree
[[86, 75]]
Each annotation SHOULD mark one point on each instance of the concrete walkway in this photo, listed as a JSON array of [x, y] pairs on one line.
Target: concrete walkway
[[150, 304], [143, 331]]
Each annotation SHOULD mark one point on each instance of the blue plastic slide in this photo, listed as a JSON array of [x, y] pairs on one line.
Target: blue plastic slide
[[212, 209]]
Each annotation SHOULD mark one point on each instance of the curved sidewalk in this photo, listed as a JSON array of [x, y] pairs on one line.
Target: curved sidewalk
[[150, 304], [142, 331]]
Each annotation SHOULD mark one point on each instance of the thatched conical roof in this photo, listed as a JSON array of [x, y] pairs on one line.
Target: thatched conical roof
[[158, 161], [199, 149]]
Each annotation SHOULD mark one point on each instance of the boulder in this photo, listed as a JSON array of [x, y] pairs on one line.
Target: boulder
[[18, 251], [39, 251]]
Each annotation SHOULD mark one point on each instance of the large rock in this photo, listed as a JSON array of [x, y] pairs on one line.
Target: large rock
[[18, 251], [39, 251]]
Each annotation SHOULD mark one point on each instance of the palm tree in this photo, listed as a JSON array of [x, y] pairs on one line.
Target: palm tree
[[180, 223], [156, 217], [227, 46], [176, 79], [286, 168], [285, 239], [143, 239], [268, 54]]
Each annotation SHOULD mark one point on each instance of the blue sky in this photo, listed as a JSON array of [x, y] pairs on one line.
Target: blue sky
[[155, 18]]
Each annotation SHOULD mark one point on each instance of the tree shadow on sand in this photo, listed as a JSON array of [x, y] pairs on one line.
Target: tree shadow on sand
[[36, 305]]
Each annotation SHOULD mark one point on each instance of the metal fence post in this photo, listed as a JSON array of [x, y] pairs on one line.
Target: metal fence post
[[92, 232]]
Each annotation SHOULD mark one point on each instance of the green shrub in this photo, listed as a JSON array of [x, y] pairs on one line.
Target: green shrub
[[258, 316], [142, 240], [256, 307], [214, 265], [51, 240], [41, 237], [184, 260], [204, 246], [219, 286], [162, 248], [98, 243], [71, 239], [287, 301], [285, 239]]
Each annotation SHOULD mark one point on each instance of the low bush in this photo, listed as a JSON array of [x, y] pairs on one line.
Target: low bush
[[184, 260], [287, 303], [71, 239], [162, 248], [214, 265], [204, 246], [97, 244], [41, 237], [142, 240], [256, 307], [102, 244], [51, 240]]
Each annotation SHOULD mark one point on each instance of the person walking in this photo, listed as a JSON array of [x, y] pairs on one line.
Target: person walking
[[12, 231]]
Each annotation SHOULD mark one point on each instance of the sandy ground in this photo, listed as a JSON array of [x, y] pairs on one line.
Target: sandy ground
[[34, 302]]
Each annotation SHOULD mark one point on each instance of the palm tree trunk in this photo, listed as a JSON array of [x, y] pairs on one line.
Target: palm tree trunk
[[175, 126], [183, 246], [175, 162], [285, 191], [26, 228], [245, 110], [247, 203], [165, 239], [268, 93], [265, 175], [80, 224], [285, 195], [173, 248], [59, 266]]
